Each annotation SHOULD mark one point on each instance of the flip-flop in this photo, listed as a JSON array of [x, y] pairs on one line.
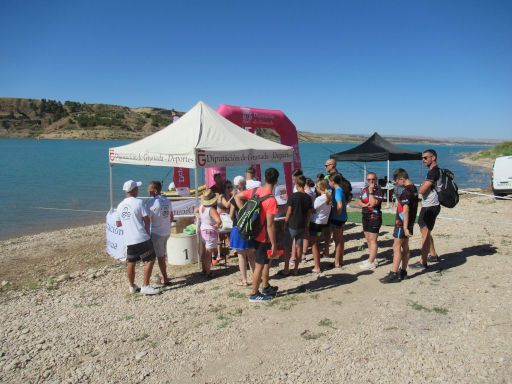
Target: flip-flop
[[166, 284], [433, 259], [316, 272], [242, 283]]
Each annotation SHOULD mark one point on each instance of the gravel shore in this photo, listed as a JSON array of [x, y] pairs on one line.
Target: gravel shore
[[67, 316]]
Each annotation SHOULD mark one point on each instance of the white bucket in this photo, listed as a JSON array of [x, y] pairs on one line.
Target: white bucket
[[182, 249]]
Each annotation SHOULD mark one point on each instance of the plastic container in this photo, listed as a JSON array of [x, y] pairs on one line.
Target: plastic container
[[182, 249]]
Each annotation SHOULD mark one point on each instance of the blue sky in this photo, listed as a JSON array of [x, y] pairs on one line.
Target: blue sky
[[424, 68]]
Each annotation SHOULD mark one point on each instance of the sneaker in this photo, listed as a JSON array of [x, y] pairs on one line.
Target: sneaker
[[433, 259], [149, 290], [215, 262], [367, 266], [259, 297], [419, 265], [134, 288], [392, 277], [403, 274], [270, 290]]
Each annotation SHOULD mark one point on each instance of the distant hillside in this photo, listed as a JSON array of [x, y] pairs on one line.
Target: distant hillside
[[71, 119], [52, 119]]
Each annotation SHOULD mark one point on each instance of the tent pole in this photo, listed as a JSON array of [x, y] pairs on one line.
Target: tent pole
[[387, 190], [364, 171], [111, 189], [198, 240]]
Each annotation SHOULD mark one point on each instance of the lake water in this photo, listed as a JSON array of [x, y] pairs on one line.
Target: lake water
[[51, 184]]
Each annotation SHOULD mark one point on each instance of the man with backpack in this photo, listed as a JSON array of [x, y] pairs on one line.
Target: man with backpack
[[265, 243], [430, 207]]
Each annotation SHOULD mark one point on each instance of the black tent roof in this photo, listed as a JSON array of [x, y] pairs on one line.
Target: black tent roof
[[376, 148]]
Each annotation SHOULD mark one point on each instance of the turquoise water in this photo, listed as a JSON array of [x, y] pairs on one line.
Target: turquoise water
[[42, 177]]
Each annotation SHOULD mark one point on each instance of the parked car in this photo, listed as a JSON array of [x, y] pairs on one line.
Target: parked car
[[502, 176]]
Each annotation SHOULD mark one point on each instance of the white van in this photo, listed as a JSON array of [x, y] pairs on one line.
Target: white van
[[502, 176]]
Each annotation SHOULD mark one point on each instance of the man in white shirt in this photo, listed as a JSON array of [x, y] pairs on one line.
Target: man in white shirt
[[133, 216], [160, 213], [250, 183]]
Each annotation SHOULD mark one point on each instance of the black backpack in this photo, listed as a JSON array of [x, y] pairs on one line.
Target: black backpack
[[347, 189], [248, 221], [447, 190]]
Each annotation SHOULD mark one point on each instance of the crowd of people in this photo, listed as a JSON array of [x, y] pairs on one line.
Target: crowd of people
[[313, 217]]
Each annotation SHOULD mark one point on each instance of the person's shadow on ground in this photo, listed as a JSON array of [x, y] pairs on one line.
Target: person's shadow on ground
[[456, 259], [325, 282]]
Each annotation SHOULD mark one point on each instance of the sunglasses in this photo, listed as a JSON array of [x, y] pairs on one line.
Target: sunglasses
[[327, 165]]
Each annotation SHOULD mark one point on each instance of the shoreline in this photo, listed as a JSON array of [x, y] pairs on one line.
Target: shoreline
[[319, 138], [486, 163]]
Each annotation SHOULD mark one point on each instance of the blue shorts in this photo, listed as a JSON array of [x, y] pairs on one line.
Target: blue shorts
[[237, 243]]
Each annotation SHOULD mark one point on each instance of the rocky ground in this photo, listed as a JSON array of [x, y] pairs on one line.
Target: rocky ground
[[449, 324]]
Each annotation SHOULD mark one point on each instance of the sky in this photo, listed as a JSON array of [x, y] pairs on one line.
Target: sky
[[434, 68]]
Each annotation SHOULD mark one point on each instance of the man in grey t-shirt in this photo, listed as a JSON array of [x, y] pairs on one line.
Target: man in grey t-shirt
[[430, 207]]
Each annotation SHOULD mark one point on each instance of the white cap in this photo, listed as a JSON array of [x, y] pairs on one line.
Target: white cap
[[237, 180], [131, 185], [171, 186]]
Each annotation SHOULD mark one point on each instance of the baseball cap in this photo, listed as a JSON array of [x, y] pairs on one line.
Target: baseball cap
[[237, 180], [131, 185]]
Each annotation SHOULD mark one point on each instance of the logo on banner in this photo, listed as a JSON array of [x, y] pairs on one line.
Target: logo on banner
[[246, 115], [201, 157], [112, 154]]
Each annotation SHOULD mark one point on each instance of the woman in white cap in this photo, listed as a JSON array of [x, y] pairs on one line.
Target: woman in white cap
[[210, 223]]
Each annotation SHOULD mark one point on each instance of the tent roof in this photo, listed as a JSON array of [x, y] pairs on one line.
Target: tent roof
[[201, 138], [376, 148]]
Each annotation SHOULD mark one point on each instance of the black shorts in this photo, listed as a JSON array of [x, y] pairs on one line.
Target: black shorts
[[336, 223], [428, 215], [372, 223], [261, 256], [399, 233], [316, 230], [142, 251]]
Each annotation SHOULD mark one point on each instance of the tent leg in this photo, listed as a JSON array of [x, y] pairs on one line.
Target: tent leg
[[111, 189], [387, 190], [199, 250]]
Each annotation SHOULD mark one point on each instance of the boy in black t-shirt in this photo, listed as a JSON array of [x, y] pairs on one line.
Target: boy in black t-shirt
[[406, 210], [298, 214]]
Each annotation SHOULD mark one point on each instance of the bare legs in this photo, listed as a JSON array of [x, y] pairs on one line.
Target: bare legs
[[162, 264], [371, 240], [261, 272], [315, 249], [148, 268], [401, 254], [339, 246], [243, 257], [427, 244], [298, 257]]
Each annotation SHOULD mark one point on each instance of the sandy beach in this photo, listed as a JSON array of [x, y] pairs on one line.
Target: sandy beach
[[67, 316]]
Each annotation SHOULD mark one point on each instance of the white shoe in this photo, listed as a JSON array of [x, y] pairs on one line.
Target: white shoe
[[368, 266], [149, 290], [134, 288]]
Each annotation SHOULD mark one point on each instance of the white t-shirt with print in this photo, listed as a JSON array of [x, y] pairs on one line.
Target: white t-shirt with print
[[159, 211], [130, 213], [322, 210]]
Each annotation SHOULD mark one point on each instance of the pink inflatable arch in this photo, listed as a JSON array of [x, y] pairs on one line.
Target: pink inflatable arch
[[253, 118]]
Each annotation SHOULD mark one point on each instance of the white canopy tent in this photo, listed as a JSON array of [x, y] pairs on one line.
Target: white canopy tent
[[199, 139]]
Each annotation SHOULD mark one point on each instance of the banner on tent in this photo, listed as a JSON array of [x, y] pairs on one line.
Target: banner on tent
[[115, 242], [222, 159], [183, 207]]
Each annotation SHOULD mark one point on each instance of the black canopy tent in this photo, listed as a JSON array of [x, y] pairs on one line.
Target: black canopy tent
[[376, 148]]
